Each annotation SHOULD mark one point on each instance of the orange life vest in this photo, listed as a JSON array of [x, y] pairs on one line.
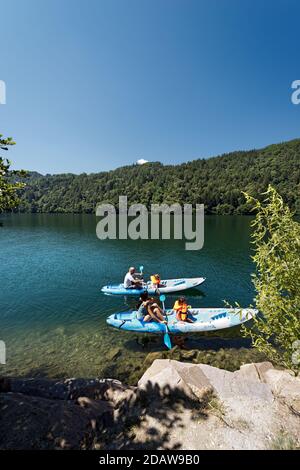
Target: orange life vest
[[181, 310], [155, 279]]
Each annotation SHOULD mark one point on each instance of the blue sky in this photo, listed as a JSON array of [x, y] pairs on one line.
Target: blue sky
[[96, 84]]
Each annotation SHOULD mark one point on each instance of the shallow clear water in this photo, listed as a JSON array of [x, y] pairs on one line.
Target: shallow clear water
[[52, 313]]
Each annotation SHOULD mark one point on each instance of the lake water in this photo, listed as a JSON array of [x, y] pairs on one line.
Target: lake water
[[52, 313]]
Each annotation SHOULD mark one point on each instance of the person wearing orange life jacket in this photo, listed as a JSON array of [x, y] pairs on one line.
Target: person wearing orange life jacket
[[155, 280], [181, 309]]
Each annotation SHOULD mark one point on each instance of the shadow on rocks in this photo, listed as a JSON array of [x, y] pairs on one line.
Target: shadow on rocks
[[146, 419]]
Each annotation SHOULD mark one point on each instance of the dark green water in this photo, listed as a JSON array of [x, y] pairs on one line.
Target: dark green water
[[52, 313]]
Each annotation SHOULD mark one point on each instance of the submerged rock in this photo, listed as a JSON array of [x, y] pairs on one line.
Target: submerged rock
[[189, 355], [151, 357], [113, 353]]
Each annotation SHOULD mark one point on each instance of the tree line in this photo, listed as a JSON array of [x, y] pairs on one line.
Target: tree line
[[217, 182]]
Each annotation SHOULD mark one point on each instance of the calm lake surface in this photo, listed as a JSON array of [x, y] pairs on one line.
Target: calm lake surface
[[52, 313]]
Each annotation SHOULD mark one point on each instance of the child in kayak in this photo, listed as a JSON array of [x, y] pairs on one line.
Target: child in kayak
[[149, 310], [155, 280], [181, 309]]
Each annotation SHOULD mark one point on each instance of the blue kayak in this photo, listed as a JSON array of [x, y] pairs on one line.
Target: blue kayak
[[205, 319], [167, 286]]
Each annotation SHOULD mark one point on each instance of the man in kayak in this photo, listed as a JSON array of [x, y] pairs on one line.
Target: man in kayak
[[149, 310], [130, 282]]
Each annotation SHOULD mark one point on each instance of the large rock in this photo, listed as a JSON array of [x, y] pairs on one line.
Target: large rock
[[166, 376], [285, 387], [68, 389], [231, 385], [200, 378], [176, 405], [240, 399], [282, 383], [254, 372], [28, 422]]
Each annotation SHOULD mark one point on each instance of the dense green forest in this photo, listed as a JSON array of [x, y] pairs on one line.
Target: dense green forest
[[217, 182]]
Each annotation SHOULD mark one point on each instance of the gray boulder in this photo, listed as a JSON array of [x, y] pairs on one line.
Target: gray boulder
[[247, 403], [174, 375]]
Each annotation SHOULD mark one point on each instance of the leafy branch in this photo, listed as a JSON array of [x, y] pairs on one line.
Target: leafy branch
[[276, 241], [9, 179]]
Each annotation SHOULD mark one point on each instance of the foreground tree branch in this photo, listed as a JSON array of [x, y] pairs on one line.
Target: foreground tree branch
[[276, 240]]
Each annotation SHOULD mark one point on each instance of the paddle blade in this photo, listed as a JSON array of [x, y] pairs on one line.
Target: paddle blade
[[167, 341]]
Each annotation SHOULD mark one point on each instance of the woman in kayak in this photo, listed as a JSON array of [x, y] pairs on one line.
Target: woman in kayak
[[142, 312], [149, 310], [181, 309]]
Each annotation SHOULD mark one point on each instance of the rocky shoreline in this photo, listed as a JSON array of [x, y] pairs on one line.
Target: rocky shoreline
[[175, 405], [129, 368]]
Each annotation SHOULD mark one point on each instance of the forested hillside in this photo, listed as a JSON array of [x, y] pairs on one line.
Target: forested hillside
[[217, 182]]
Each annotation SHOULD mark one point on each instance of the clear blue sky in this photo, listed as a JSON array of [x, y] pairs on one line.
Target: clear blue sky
[[96, 84]]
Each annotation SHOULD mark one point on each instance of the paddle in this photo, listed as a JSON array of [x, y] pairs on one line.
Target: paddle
[[141, 268], [167, 339]]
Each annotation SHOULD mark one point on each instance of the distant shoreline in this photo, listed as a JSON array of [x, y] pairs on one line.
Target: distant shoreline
[[219, 183]]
